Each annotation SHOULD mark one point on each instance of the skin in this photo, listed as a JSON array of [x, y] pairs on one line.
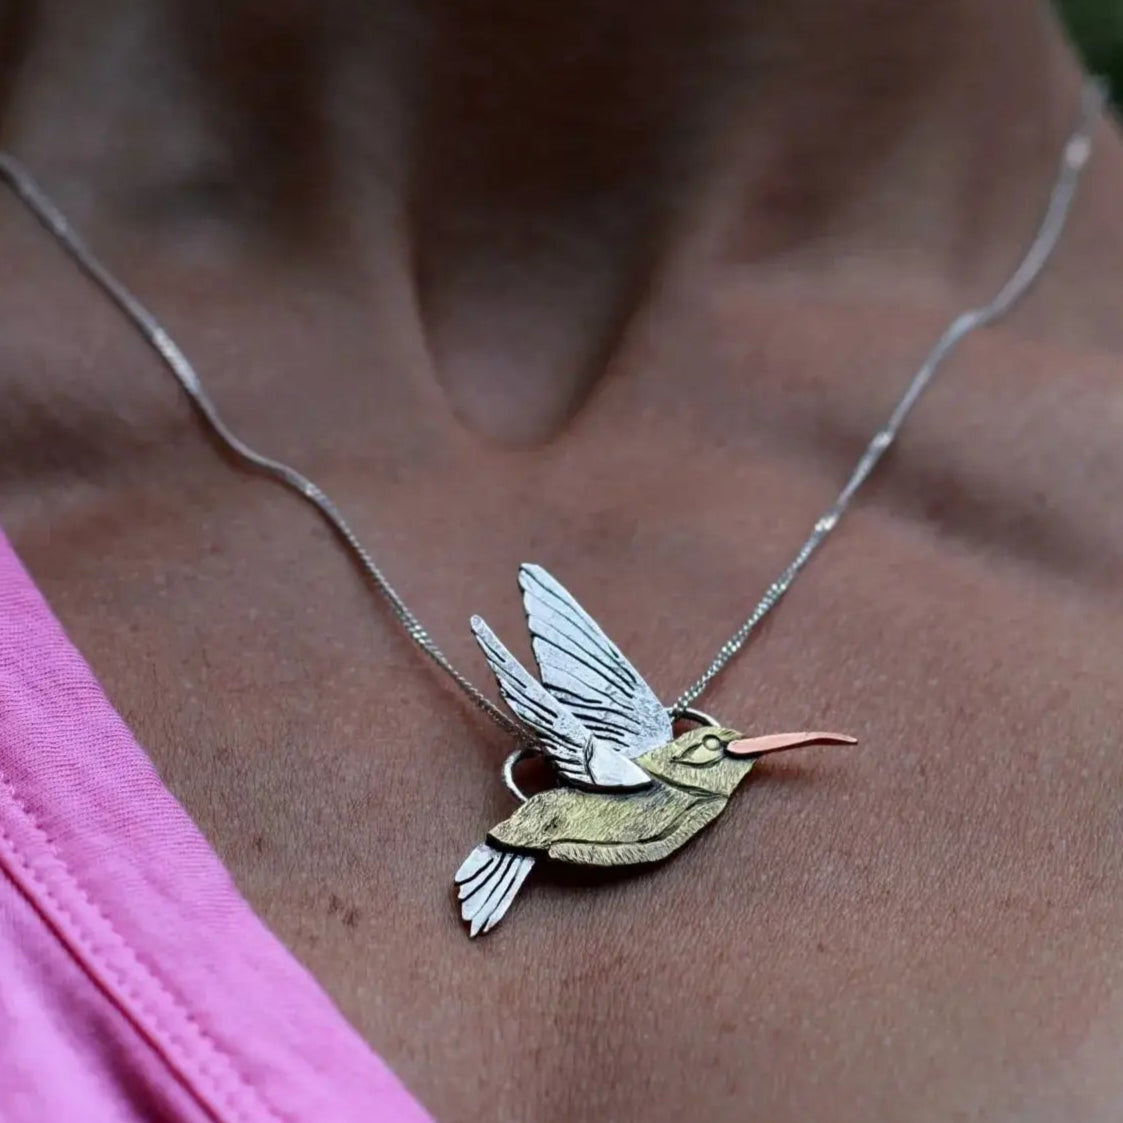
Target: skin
[[625, 297]]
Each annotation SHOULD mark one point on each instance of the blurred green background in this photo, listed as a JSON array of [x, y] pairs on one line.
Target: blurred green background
[[1097, 27]]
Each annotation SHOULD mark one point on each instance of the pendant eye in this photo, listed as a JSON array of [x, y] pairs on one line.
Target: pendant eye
[[702, 753]]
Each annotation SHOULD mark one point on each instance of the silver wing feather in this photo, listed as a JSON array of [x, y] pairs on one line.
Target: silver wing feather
[[587, 672], [580, 758]]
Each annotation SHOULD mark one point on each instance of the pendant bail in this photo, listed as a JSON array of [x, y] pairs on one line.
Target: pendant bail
[[689, 713], [509, 765]]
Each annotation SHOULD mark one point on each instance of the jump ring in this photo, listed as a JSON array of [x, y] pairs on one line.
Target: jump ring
[[699, 717], [509, 764]]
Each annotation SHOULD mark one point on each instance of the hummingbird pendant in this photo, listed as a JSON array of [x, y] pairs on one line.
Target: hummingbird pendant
[[630, 792]]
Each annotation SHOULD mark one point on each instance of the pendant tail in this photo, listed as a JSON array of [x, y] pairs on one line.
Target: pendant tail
[[487, 883]]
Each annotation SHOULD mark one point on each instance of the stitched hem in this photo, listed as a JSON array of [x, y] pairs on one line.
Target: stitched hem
[[35, 864]]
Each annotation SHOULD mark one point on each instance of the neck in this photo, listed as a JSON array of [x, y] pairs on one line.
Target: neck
[[604, 159], [540, 174]]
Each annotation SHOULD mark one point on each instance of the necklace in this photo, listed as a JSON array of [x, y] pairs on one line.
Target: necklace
[[629, 790]]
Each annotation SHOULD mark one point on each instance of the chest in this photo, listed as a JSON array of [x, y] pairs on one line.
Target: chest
[[924, 925], [933, 918]]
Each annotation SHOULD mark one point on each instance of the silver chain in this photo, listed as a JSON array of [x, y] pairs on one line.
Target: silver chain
[[1076, 152]]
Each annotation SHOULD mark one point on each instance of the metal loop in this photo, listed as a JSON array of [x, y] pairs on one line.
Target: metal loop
[[688, 713], [517, 757]]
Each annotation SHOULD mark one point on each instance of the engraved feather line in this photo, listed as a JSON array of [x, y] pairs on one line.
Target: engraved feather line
[[569, 613], [580, 758], [586, 672]]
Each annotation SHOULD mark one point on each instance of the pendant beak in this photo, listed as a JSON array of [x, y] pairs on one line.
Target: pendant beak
[[778, 742]]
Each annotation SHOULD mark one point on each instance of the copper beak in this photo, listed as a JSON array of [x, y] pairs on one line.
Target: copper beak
[[777, 742]]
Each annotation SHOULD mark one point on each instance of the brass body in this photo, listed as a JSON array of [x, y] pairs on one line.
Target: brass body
[[692, 780]]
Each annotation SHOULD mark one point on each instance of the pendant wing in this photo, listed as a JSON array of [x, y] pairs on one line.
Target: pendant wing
[[587, 672], [579, 757]]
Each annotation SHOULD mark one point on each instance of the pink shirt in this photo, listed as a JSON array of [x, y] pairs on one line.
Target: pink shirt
[[135, 983]]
